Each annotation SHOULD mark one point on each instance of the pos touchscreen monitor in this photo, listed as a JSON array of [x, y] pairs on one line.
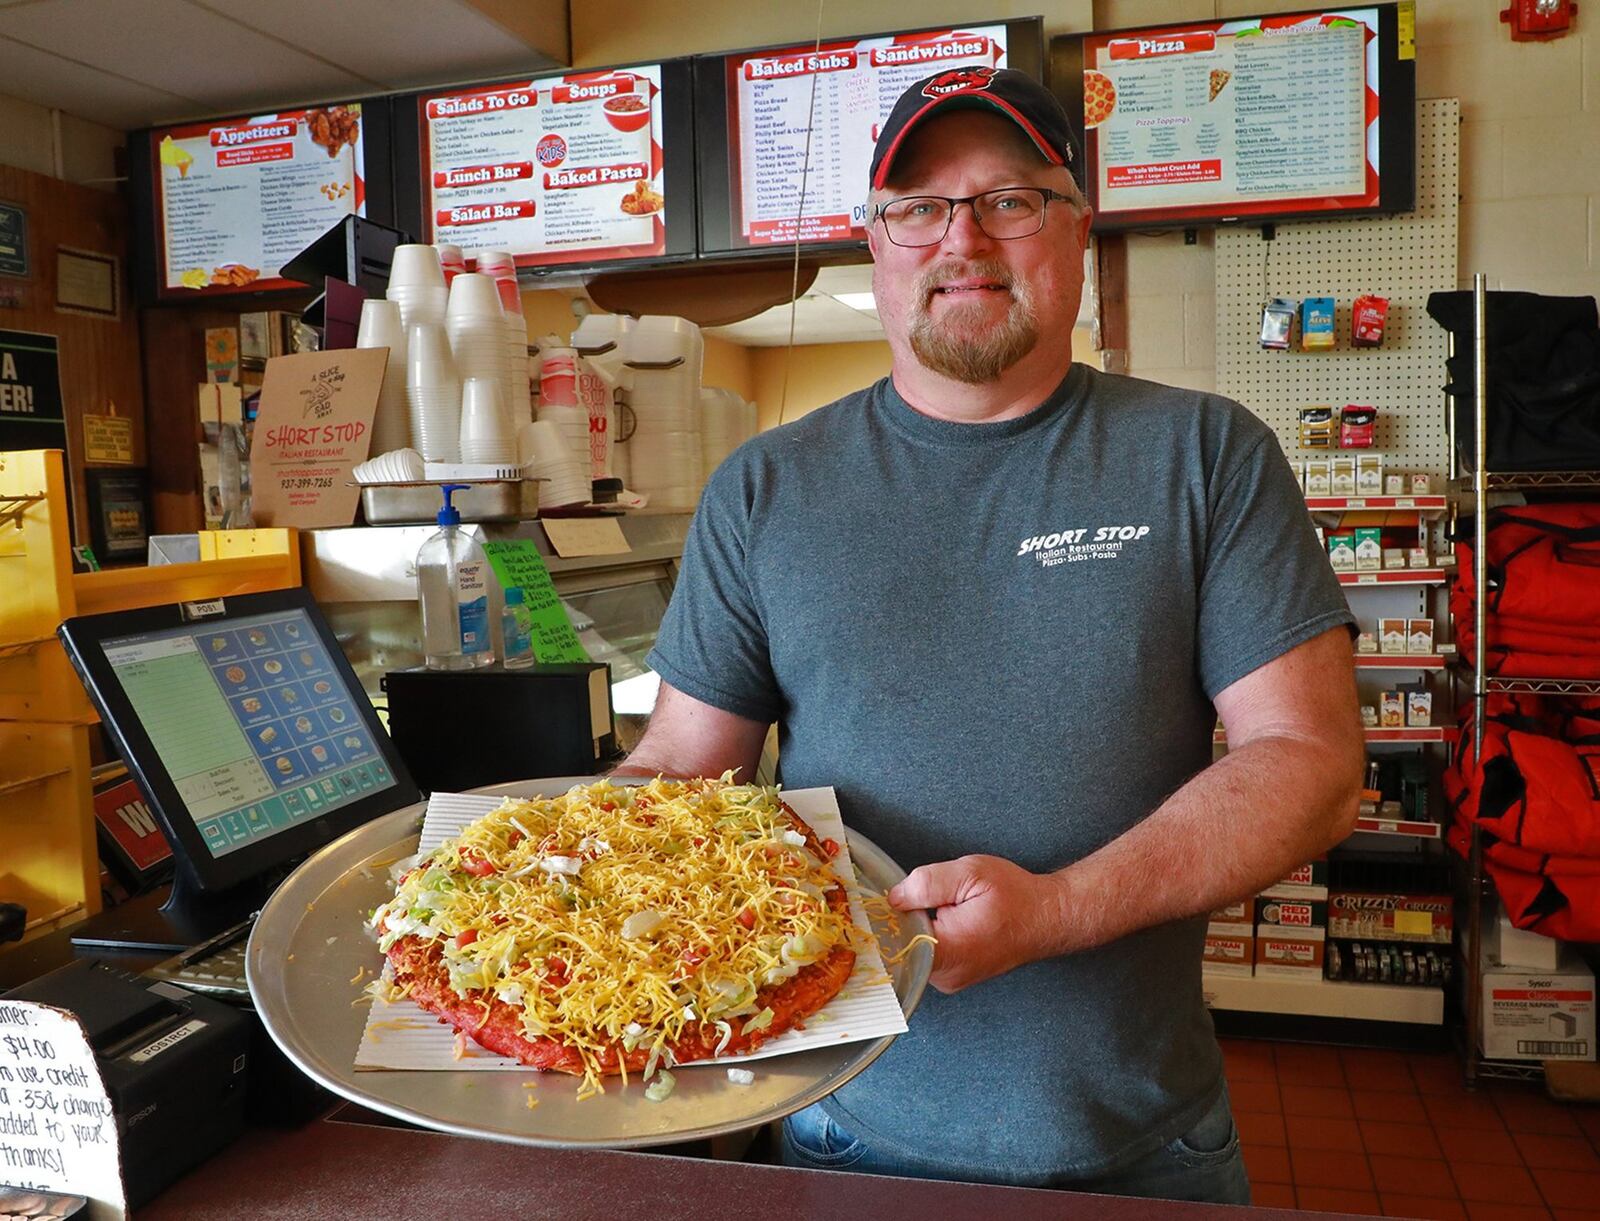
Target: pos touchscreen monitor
[[245, 727]]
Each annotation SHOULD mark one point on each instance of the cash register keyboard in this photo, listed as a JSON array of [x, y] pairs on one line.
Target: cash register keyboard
[[215, 966]]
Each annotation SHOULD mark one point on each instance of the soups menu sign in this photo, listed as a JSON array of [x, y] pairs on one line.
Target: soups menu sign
[[561, 170], [827, 103]]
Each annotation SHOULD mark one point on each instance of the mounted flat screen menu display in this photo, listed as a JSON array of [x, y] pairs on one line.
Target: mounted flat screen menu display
[[1260, 118], [779, 122], [588, 168], [233, 200]]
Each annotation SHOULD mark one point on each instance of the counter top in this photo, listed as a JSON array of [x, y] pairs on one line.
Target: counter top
[[355, 1172]]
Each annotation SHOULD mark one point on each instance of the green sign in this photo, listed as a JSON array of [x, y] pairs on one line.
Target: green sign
[[517, 562], [13, 240]]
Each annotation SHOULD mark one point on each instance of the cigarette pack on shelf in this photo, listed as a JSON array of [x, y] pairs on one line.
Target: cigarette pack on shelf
[[1229, 949], [1539, 1016], [1342, 552], [1426, 918], [1319, 477], [1393, 635], [1369, 548], [1369, 474], [1290, 953], [1343, 475], [1241, 911]]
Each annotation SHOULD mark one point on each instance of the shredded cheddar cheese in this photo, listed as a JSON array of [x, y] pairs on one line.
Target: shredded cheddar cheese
[[612, 917]]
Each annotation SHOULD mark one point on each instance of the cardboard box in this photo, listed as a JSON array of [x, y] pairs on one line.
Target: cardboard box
[[1291, 913], [1394, 484], [1419, 636], [1319, 477], [1369, 548], [1394, 557], [1391, 711], [1421, 483], [1419, 709], [1290, 953], [1369, 474], [1538, 1016], [1342, 552], [1342, 475], [1391, 917], [1242, 911], [1230, 949], [1393, 635], [1366, 641], [1417, 557], [1510, 946]]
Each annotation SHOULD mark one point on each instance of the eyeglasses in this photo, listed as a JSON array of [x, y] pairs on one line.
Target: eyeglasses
[[1010, 212]]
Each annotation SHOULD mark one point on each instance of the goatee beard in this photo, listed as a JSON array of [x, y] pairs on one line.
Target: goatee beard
[[948, 345]]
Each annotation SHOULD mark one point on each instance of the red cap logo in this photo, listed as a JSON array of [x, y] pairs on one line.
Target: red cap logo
[[958, 80]]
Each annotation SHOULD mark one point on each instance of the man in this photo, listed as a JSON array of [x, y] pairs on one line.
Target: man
[[998, 601]]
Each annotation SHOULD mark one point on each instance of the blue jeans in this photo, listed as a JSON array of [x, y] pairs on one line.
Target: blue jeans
[[1204, 1164]]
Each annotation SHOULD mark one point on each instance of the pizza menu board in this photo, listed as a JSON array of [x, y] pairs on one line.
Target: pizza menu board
[[1234, 118], [239, 198], [562, 170], [838, 95]]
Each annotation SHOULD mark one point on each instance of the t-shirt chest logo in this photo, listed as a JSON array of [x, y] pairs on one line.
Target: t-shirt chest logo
[[1082, 544]]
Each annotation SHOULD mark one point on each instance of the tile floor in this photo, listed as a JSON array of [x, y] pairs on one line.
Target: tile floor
[[1396, 1134]]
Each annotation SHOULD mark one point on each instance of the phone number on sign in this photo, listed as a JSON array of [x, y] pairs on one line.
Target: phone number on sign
[[308, 481]]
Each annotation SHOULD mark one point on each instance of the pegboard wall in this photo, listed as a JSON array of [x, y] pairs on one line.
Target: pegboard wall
[[1403, 258]]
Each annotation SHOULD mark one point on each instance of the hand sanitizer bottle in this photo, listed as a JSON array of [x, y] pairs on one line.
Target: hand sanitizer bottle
[[516, 631], [453, 586]]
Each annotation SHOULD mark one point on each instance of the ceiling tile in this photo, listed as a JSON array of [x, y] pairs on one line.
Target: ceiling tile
[[180, 48], [400, 43], [48, 80]]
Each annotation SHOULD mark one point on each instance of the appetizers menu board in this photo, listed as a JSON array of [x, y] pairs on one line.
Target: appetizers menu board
[[807, 118], [566, 169], [239, 198], [1246, 116]]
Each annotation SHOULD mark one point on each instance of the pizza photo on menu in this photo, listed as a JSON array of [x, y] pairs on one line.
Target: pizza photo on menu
[[1219, 80], [1099, 98], [616, 930]]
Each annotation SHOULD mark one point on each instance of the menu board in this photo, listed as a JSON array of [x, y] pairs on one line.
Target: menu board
[[807, 118], [253, 723], [236, 199], [566, 169], [1248, 117]]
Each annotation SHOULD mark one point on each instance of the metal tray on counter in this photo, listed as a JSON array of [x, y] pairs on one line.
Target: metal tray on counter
[[310, 941], [404, 504]]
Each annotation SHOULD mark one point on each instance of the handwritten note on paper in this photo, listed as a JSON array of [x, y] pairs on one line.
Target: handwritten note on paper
[[57, 1132], [517, 562]]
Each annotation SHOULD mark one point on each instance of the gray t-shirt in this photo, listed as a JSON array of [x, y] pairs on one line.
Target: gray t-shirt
[[1005, 638]]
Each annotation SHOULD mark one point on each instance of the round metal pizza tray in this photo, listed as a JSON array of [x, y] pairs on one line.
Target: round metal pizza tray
[[309, 942]]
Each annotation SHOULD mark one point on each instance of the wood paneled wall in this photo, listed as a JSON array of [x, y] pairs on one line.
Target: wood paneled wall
[[99, 356]]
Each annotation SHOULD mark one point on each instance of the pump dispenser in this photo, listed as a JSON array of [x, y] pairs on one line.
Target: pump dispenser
[[453, 578]]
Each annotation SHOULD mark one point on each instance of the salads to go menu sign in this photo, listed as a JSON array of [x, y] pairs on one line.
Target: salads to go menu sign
[[855, 84], [561, 170], [239, 198]]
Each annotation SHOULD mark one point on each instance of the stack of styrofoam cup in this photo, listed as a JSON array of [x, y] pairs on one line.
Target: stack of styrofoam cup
[[521, 401], [664, 358], [559, 406], [545, 455], [722, 425], [600, 340], [380, 328], [416, 285], [477, 331], [451, 260], [752, 420], [486, 434], [433, 394]]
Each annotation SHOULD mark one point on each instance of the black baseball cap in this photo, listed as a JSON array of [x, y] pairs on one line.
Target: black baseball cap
[[1006, 91]]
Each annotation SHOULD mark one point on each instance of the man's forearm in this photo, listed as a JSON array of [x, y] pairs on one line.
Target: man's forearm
[[1234, 829]]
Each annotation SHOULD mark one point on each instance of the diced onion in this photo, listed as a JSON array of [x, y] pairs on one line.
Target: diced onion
[[568, 866], [741, 1076], [658, 1089], [641, 924]]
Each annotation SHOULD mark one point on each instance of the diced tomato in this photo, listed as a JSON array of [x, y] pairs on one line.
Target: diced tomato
[[513, 839], [648, 820], [699, 841], [695, 955], [498, 920], [747, 918], [643, 800], [475, 863], [831, 847], [608, 806], [466, 937], [556, 971]]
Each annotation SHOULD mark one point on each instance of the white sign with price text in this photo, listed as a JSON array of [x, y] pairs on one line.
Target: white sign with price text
[[57, 1132]]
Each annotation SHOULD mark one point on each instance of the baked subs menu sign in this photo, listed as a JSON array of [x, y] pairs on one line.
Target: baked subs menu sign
[[808, 117], [236, 199], [565, 169]]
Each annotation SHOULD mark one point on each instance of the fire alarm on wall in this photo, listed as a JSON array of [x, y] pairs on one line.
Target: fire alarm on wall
[[1537, 20]]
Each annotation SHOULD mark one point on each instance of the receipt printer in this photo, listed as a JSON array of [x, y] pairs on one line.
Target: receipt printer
[[174, 1064]]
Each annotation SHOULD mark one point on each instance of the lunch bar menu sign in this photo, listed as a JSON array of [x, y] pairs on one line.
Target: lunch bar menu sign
[[561, 170], [1253, 113], [239, 198], [838, 95]]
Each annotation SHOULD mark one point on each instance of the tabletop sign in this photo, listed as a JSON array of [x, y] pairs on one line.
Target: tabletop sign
[[31, 415], [57, 1131], [517, 562], [578, 536], [314, 426], [108, 438], [13, 241]]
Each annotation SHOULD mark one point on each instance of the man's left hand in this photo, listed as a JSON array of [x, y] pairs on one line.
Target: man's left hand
[[988, 914]]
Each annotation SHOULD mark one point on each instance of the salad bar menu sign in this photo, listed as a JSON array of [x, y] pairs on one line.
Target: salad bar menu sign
[[826, 105], [561, 170], [1247, 114], [238, 199]]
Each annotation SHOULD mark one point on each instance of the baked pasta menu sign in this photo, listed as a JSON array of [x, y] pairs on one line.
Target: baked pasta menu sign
[[839, 94], [1251, 115], [239, 198], [561, 170]]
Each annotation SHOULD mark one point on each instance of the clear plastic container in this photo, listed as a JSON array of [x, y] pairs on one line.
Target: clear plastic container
[[453, 586], [516, 631]]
